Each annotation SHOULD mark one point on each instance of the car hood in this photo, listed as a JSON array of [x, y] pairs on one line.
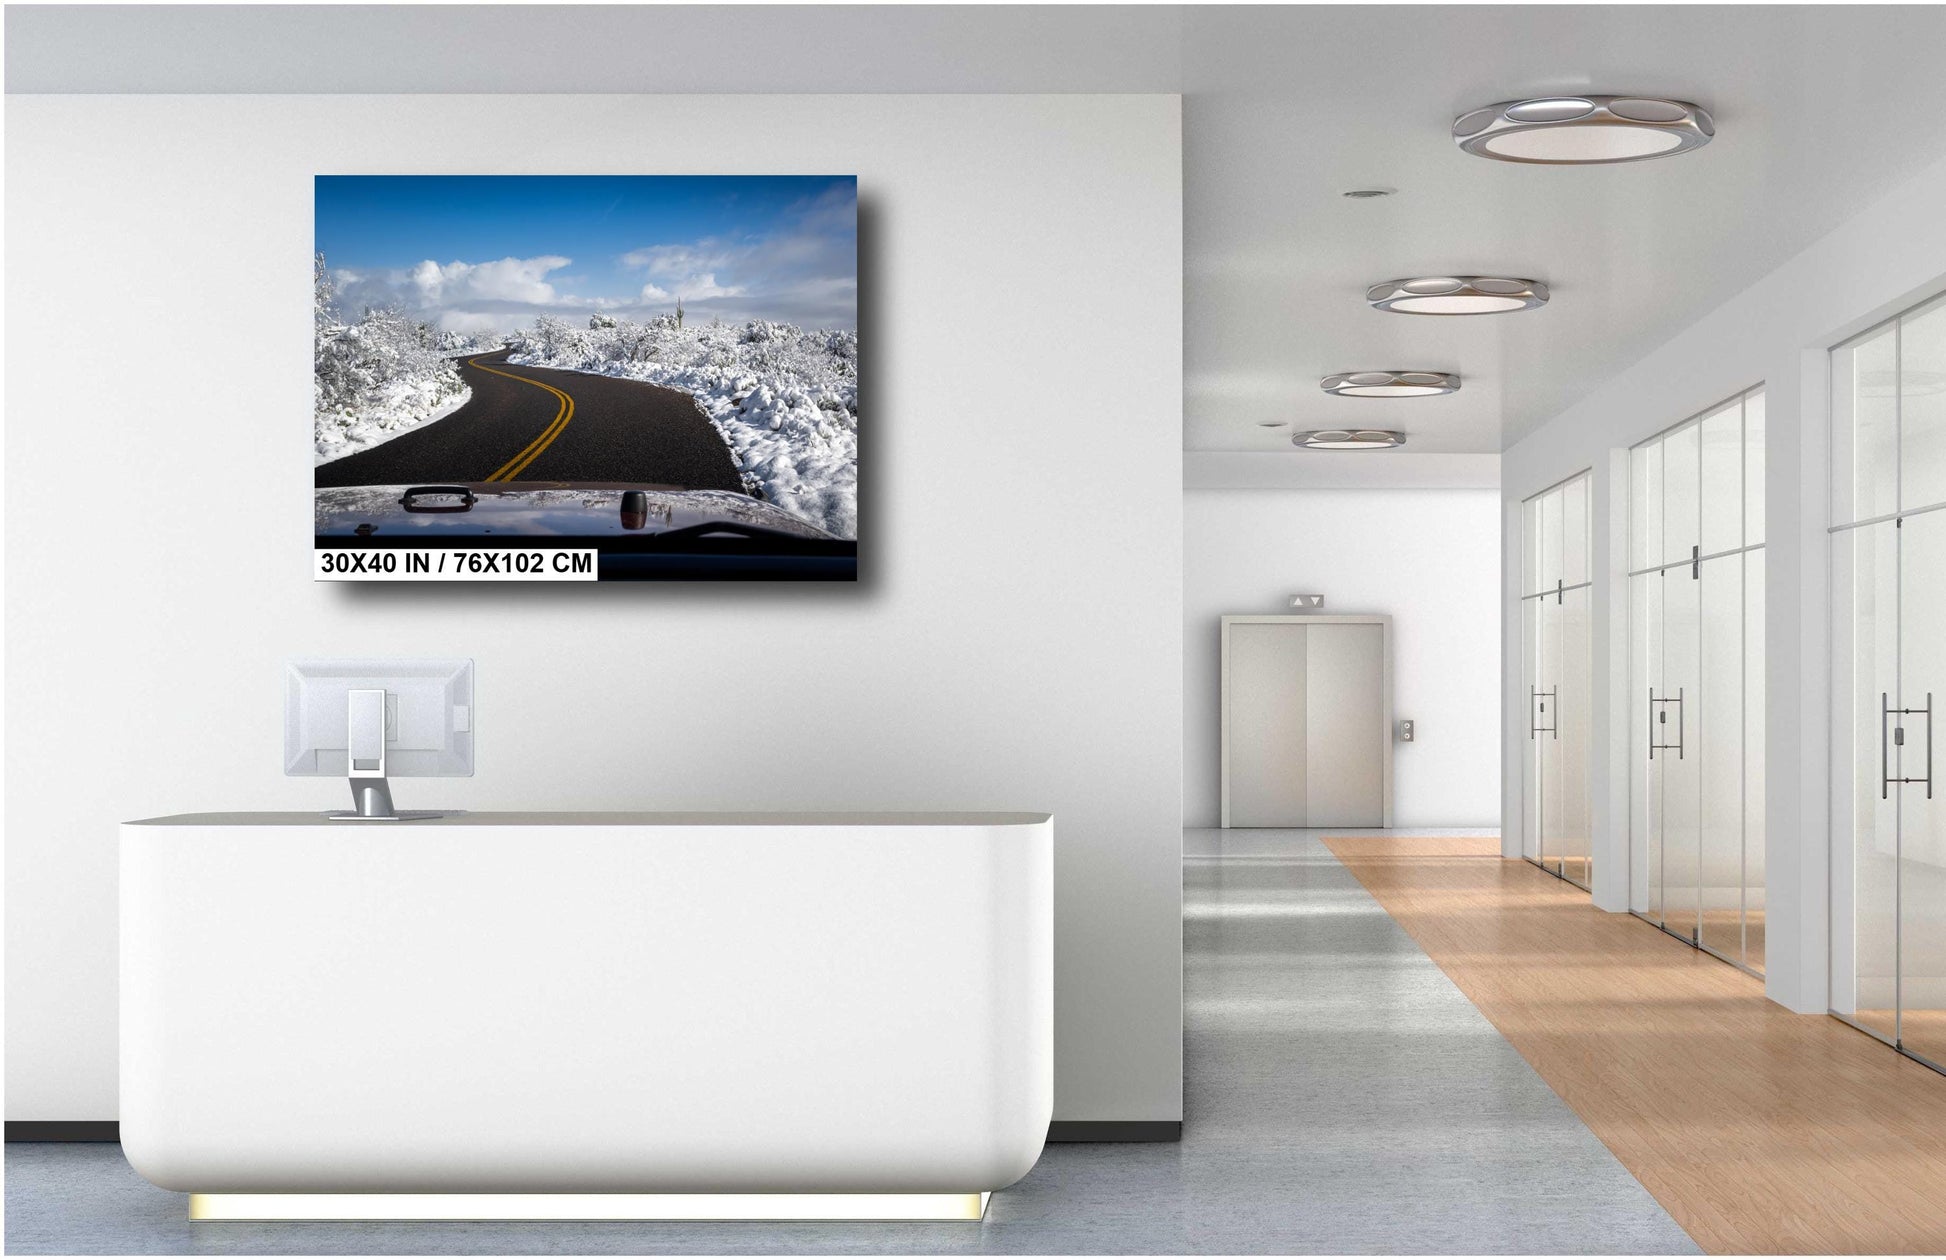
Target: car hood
[[530, 509]]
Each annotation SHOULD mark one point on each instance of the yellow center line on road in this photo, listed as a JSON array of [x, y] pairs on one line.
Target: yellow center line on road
[[518, 464]]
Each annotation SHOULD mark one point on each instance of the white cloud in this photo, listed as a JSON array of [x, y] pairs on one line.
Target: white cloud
[[429, 286], [507, 280], [470, 322], [805, 272], [689, 289], [672, 261], [467, 297], [683, 271]]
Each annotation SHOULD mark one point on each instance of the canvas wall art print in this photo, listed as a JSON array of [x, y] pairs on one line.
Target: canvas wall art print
[[656, 376]]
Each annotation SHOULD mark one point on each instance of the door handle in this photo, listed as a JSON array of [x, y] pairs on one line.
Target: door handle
[[1885, 715], [1659, 716], [1537, 723]]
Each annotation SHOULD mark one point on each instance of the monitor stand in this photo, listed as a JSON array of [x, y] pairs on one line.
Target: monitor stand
[[371, 795], [372, 799]]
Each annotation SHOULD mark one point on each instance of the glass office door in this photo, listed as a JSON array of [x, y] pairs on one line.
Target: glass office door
[[1556, 594], [1696, 670], [1888, 574]]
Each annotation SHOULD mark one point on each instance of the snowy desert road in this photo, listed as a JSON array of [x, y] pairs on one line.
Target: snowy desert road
[[535, 424]]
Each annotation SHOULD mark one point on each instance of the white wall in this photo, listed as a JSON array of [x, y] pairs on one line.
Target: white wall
[[1015, 643], [1776, 332], [1428, 557]]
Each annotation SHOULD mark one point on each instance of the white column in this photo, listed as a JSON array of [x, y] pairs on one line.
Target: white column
[[1608, 749], [1797, 683], [1514, 715]]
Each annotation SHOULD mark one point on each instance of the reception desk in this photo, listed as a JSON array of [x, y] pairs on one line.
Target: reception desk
[[586, 1015]]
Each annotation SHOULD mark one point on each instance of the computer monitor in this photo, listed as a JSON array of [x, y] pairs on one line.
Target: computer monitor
[[367, 720]]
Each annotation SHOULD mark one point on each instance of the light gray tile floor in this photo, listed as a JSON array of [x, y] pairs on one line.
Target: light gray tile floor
[[1343, 1097]]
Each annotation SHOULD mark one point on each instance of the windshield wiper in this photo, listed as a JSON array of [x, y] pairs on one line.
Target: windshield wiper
[[727, 530]]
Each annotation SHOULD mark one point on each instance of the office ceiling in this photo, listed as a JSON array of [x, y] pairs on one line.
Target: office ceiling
[[1819, 110]]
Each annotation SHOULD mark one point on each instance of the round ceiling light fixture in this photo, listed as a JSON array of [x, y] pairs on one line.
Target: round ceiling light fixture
[[1583, 130], [1390, 384], [1272, 424], [1457, 295], [1348, 439]]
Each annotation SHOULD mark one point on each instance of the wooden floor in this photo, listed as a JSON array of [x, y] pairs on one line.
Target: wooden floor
[[1761, 1131]]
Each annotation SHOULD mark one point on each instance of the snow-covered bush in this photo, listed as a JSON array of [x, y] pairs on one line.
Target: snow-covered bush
[[464, 345], [375, 377], [554, 337], [784, 398]]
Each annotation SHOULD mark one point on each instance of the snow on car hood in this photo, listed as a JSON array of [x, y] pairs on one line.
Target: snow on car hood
[[564, 509]]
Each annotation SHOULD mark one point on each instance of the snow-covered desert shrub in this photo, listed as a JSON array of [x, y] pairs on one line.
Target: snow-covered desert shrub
[[464, 345], [784, 398], [375, 377], [555, 337]]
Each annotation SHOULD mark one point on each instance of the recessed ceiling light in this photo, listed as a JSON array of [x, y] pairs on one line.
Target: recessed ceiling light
[[1366, 194], [1348, 439], [1457, 295], [1582, 130], [1272, 424], [1390, 384]]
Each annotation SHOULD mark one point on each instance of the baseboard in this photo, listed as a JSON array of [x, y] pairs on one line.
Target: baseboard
[[64, 1131], [1059, 1131], [1115, 1131]]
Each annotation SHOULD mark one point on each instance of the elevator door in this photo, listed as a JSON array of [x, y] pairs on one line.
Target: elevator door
[[1306, 722]]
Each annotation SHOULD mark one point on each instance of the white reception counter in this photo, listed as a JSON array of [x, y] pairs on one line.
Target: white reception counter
[[584, 1005]]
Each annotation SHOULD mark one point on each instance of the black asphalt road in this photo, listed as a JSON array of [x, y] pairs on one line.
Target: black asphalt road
[[550, 426]]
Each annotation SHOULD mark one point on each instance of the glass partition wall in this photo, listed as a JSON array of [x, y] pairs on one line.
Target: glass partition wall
[[1888, 673], [1696, 642], [1555, 595]]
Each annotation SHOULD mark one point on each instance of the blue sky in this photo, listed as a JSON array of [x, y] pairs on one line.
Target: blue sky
[[493, 251]]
